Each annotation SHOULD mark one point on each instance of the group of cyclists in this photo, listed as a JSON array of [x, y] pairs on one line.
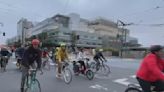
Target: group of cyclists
[[27, 56], [149, 73]]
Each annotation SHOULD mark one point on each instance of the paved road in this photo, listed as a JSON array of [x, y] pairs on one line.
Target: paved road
[[122, 74]]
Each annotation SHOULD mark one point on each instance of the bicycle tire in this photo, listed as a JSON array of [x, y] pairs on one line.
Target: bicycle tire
[[93, 67], [34, 87], [46, 65], [105, 70], [90, 74], [67, 75], [26, 84], [132, 89], [4, 65]]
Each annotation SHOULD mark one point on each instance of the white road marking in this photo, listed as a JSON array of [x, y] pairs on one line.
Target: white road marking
[[122, 81], [99, 87], [133, 76], [14, 62]]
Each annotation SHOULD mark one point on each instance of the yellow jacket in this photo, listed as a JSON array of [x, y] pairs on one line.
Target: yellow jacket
[[61, 55]]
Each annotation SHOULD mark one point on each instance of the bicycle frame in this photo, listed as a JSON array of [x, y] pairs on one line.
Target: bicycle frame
[[31, 77]]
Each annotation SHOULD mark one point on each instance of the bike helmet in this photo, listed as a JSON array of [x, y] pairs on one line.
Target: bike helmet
[[62, 44], [35, 42], [155, 48]]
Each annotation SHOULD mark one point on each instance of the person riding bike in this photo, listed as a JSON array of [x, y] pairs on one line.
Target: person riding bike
[[45, 53], [31, 54], [150, 72], [55, 54], [20, 52], [98, 57], [61, 56], [80, 57], [4, 52]]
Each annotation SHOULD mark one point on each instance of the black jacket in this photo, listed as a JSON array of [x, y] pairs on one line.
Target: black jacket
[[20, 51], [30, 56], [4, 53], [99, 55]]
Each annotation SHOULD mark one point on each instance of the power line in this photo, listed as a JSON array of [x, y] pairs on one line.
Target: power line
[[147, 10]]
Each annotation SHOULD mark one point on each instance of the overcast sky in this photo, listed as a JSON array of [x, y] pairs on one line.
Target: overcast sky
[[136, 11]]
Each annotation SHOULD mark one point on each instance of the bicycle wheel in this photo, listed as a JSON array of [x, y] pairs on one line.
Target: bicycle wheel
[[89, 74], [4, 65], [67, 75], [46, 65], [131, 89], [93, 67], [26, 85], [105, 70], [34, 86]]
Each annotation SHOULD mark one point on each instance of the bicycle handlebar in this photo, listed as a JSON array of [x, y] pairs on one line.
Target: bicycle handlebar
[[36, 70]]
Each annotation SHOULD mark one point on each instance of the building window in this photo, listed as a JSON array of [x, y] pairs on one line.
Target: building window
[[94, 43], [85, 36], [67, 33]]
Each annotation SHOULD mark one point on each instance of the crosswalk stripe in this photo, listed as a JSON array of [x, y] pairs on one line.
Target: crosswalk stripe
[[133, 76], [122, 81]]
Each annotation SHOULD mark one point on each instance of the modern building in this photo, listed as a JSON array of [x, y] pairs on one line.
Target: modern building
[[50, 24], [85, 39], [60, 28], [105, 27], [79, 24], [22, 29]]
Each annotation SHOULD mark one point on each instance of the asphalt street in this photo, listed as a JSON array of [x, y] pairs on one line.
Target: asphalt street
[[122, 74]]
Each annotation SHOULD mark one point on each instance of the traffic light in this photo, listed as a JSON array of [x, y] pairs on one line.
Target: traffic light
[[4, 33]]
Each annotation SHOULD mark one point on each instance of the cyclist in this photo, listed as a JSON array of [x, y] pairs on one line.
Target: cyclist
[[98, 57], [20, 52], [31, 54], [81, 57], [61, 56], [55, 54], [4, 52], [151, 70], [44, 56]]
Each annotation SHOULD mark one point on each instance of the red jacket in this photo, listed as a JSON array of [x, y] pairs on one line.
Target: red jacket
[[151, 68], [44, 54]]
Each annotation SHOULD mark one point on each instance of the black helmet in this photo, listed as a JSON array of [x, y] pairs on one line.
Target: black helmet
[[155, 48]]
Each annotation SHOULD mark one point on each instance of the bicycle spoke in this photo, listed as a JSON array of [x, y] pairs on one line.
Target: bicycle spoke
[[67, 75]]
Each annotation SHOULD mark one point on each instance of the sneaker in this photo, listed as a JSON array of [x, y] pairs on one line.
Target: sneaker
[[58, 76]]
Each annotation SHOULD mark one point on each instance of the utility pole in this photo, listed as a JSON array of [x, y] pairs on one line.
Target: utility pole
[[3, 33], [124, 34]]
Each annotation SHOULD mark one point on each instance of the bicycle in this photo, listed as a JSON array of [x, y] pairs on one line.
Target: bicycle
[[4, 62], [31, 83], [100, 67], [87, 72], [46, 64], [18, 64], [66, 73], [137, 88]]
